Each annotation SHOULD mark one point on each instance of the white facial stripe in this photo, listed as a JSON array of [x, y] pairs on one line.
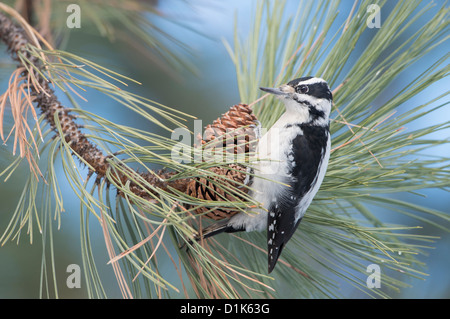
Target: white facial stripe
[[308, 98], [312, 81]]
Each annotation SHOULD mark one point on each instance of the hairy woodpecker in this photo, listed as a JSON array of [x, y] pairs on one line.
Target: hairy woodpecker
[[293, 158]]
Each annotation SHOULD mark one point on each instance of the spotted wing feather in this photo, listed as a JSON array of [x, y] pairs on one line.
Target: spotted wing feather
[[281, 225]]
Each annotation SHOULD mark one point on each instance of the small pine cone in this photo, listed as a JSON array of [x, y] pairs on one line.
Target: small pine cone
[[233, 131], [210, 189]]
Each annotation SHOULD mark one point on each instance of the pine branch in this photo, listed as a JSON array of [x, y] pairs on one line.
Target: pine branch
[[368, 159], [210, 192], [49, 105]]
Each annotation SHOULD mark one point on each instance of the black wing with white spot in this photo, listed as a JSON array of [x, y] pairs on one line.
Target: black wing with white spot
[[281, 226], [306, 156]]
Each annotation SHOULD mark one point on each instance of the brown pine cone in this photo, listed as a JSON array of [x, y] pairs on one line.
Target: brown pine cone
[[213, 189], [234, 132]]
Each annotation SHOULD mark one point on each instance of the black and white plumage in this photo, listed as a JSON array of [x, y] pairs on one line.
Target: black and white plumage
[[293, 158]]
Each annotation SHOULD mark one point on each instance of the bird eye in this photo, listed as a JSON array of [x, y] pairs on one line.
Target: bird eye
[[302, 89]]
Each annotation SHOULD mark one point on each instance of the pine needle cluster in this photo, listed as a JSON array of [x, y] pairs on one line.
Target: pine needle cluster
[[147, 218]]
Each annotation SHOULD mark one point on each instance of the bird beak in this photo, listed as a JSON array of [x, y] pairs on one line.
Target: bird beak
[[275, 91], [282, 90]]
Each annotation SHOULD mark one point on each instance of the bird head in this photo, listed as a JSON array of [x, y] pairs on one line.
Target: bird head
[[309, 97]]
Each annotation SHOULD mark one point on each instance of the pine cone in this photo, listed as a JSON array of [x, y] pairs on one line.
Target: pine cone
[[234, 132], [215, 188]]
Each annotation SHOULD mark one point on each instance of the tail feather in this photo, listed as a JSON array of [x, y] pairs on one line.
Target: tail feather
[[211, 230], [222, 226], [214, 229]]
